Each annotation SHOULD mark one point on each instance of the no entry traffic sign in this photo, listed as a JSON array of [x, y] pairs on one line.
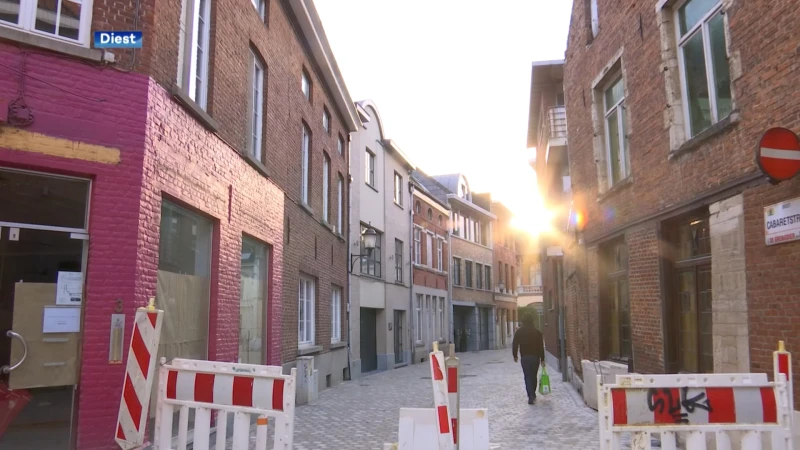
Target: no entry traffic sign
[[779, 154]]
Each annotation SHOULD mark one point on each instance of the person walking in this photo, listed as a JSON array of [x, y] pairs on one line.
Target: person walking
[[529, 342]]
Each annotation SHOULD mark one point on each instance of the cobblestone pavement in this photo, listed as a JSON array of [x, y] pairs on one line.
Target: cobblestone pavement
[[363, 414]]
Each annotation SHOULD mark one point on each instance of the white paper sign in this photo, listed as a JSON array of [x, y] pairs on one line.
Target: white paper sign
[[61, 319], [70, 288], [782, 222]]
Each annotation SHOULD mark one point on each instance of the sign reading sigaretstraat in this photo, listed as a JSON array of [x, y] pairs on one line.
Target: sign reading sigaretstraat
[[782, 222]]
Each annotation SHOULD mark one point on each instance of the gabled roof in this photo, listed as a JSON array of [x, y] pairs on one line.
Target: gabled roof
[[322, 54]]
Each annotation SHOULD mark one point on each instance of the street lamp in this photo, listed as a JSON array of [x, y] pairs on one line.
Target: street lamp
[[370, 237]]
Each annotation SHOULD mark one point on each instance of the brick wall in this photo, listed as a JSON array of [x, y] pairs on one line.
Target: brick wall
[[467, 250], [645, 300], [773, 294]]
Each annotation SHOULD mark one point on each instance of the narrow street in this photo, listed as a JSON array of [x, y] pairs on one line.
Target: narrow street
[[363, 414]]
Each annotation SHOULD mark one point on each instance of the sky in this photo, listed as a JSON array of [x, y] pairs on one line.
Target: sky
[[451, 80]]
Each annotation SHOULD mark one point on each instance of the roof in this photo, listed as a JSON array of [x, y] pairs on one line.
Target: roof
[[544, 76], [322, 54], [363, 108], [430, 187]]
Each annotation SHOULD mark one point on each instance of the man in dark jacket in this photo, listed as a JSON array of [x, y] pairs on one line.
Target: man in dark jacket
[[530, 344]]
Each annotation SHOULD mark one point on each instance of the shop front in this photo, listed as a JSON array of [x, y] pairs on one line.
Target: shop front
[[43, 255]]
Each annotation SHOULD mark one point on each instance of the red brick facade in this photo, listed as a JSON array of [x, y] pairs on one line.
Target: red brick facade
[[423, 275], [670, 176]]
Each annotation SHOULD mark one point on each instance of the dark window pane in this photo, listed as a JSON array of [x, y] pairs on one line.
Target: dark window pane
[[42, 200], [721, 69], [697, 84], [9, 11], [691, 13]]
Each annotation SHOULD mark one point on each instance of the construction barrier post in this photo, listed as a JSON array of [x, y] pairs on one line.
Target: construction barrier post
[[138, 382], [782, 364], [453, 389], [440, 398]]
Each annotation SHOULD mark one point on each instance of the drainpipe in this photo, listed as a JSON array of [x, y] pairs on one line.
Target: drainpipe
[[348, 258], [411, 311], [450, 306]]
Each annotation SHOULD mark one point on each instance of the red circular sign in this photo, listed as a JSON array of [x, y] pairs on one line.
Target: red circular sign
[[778, 154]]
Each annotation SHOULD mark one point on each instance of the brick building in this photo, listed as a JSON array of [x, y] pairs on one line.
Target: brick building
[[431, 262], [471, 223], [157, 175], [665, 107], [506, 274]]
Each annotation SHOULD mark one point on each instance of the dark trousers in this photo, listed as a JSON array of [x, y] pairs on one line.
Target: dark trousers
[[530, 367]]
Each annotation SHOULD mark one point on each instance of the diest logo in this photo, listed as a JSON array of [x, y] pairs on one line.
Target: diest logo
[[117, 39]]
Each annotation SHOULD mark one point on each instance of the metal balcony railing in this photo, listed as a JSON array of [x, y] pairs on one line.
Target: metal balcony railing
[[557, 116], [529, 289]]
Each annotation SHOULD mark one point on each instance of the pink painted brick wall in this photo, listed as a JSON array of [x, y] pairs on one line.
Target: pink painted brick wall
[[164, 153]]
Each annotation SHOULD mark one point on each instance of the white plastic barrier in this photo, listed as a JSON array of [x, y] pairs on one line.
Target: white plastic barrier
[[419, 430], [453, 384], [695, 405], [240, 389], [441, 401]]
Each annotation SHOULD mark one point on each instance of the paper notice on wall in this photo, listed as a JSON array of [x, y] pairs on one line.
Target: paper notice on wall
[[61, 320], [70, 288]]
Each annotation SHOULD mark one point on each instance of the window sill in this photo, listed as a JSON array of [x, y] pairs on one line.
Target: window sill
[[399, 205], [306, 208], [399, 283], [310, 350], [55, 45], [256, 164], [195, 109], [371, 187], [373, 277], [718, 128], [620, 186], [339, 344]]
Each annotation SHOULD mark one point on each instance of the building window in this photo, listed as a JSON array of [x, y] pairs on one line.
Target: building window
[[306, 163], [705, 73], [326, 187], [417, 208], [305, 85], [184, 277], [340, 197], [68, 21], [595, 18], [430, 215], [441, 318], [326, 120], [417, 246], [429, 248], [487, 277], [370, 168], [418, 328], [439, 254], [398, 260], [340, 145], [261, 7], [256, 105], [252, 300], [617, 330], [456, 224], [398, 189], [336, 314], [440, 220], [306, 307], [456, 271], [478, 276], [616, 141], [193, 50], [429, 332], [371, 264], [690, 324], [468, 273]]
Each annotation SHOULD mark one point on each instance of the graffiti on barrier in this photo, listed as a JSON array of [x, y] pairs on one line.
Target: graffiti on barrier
[[670, 405]]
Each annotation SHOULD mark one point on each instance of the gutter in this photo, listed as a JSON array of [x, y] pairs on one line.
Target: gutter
[[348, 258], [412, 347]]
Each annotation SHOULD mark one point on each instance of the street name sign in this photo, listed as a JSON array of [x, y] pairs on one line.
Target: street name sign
[[782, 222]]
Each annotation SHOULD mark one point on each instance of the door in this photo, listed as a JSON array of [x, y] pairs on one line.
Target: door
[[484, 318], [399, 325], [43, 249], [369, 340]]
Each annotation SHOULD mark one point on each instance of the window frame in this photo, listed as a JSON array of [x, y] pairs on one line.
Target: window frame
[[26, 22], [305, 166], [702, 26], [340, 200], [429, 237], [255, 138], [340, 145], [398, 261], [398, 189], [419, 315], [336, 314], [620, 110], [468, 274], [456, 268], [188, 70], [613, 275], [264, 301], [441, 318], [326, 187], [260, 7], [479, 269], [369, 175], [417, 245], [310, 310], [439, 254], [487, 278], [326, 120]]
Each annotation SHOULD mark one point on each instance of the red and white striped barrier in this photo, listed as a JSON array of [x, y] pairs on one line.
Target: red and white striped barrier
[[138, 383], [453, 383], [694, 404], [241, 389], [441, 399]]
